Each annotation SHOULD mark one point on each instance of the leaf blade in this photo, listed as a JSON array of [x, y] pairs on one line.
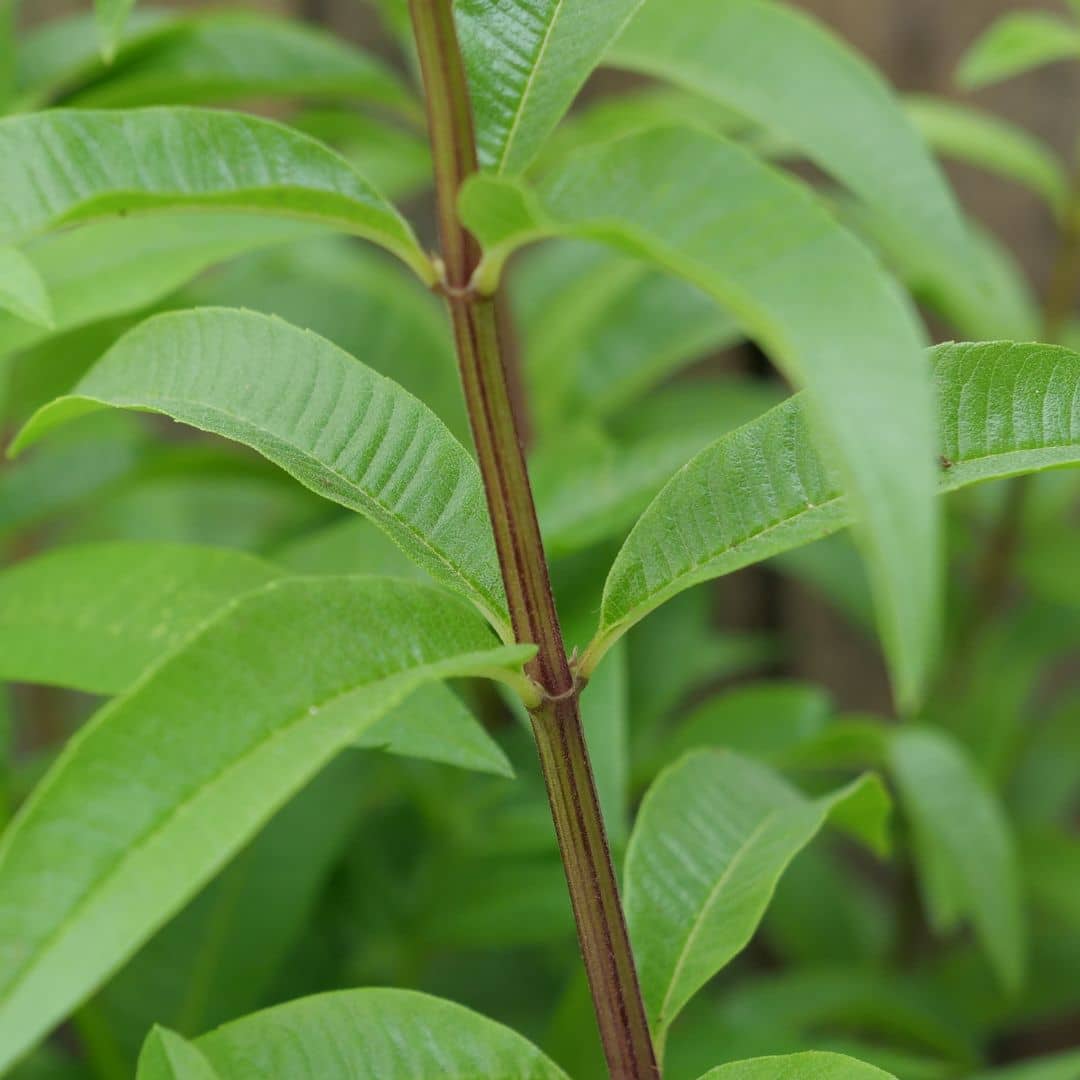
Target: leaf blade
[[526, 63], [1016, 43], [64, 167], [22, 291], [809, 1066], [136, 842], [714, 834], [353, 436]]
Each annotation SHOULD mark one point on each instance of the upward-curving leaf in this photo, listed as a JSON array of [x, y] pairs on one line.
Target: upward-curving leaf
[[787, 73], [112, 16], [809, 1066], [364, 1034], [61, 168], [342, 430], [807, 290], [166, 783], [1018, 42], [1005, 410], [526, 61], [714, 835], [22, 292]]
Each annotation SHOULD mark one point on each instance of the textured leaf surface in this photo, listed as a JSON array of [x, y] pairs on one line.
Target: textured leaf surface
[[760, 58], [63, 167], [227, 56], [982, 139], [810, 1066], [963, 844], [95, 618], [714, 835], [22, 292], [843, 330], [166, 783], [342, 430], [371, 1035], [1016, 43], [526, 61], [1004, 409]]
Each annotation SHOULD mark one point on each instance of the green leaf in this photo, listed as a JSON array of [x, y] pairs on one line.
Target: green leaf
[[217, 958], [110, 268], [809, 1066], [168, 1056], [22, 292], [759, 58], [981, 139], [62, 168], [94, 618], [1018, 42], [714, 835], [963, 845], [111, 17], [374, 1035], [228, 56], [843, 329], [1005, 410], [350, 435], [166, 783], [526, 62]]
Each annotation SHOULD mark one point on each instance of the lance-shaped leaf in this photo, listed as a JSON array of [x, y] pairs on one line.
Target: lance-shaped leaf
[[64, 167], [968, 865], [1005, 410], [714, 835], [95, 617], [342, 430], [759, 58], [166, 783], [111, 16], [805, 288], [22, 292], [110, 268], [526, 62], [228, 56], [1016, 43], [809, 1066], [374, 1034], [982, 139], [168, 1056]]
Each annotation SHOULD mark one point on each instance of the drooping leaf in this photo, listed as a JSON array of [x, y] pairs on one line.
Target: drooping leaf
[[168, 781], [1018, 42], [759, 58], [111, 268], [714, 834], [111, 17], [96, 617], [965, 852], [22, 292], [375, 1035], [842, 330], [224, 56], [809, 1066], [526, 62], [982, 139], [342, 430], [64, 167], [1004, 409]]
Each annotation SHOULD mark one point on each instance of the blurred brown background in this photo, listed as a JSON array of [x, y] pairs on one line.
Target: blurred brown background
[[917, 44]]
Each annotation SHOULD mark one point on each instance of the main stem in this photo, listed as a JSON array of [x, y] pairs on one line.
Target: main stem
[[564, 758]]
